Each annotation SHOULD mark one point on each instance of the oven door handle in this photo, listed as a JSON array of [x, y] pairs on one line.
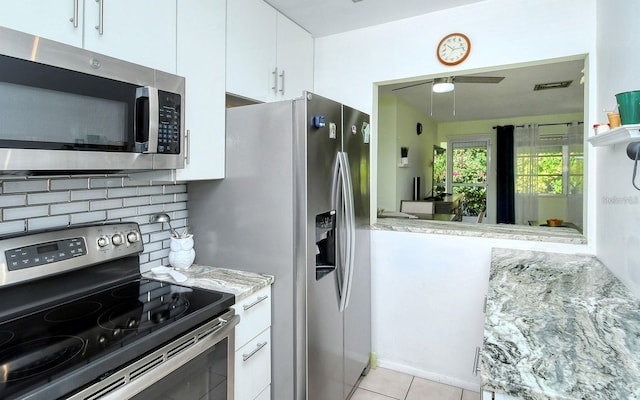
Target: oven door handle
[[163, 361]]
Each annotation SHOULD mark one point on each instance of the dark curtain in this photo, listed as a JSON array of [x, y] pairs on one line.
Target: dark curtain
[[505, 186]]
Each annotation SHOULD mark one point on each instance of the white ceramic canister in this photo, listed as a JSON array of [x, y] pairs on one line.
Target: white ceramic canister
[[182, 254]]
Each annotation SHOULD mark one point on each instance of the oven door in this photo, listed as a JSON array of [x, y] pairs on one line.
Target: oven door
[[198, 365]]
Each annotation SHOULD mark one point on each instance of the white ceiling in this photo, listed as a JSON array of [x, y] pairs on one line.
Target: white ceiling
[[512, 97], [327, 17]]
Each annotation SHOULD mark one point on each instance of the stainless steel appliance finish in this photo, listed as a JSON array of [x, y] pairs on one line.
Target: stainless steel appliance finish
[[286, 208], [77, 321], [67, 109]]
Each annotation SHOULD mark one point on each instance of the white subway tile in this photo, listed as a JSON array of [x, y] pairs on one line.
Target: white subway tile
[[25, 212], [182, 197], [25, 186], [146, 267], [156, 255], [166, 198], [153, 246], [144, 257], [149, 190], [69, 184], [88, 194], [12, 227], [137, 201], [157, 208], [175, 189], [12, 200], [122, 192], [48, 222], [105, 204], [158, 236], [175, 206], [106, 182], [180, 214], [122, 213], [140, 219], [69, 208], [84, 218], [48, 197]]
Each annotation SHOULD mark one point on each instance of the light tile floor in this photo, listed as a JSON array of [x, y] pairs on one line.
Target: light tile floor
[[385, 384]]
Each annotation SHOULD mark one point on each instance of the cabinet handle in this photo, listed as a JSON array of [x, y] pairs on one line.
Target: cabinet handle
[[259, 347], [187, 139], [100, 26], [74, 19], [275, 81], [476, 362], [282, 87], [258, 300], [484, 305]]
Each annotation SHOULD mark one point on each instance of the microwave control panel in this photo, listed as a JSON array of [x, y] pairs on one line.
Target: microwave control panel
[[168, 122]]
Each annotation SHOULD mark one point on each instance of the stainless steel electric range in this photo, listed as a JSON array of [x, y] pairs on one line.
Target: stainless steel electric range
[[77, 321]]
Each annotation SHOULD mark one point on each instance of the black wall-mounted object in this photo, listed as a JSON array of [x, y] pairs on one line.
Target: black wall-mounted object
[[633, 149], [419, 128]]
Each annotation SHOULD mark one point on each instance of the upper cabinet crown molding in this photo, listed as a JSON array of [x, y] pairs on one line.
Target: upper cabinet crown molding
[[269, 57]]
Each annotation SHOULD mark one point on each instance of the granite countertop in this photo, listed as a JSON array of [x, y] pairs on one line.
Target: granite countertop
[[559, 326], [241, 283], [500, 231]]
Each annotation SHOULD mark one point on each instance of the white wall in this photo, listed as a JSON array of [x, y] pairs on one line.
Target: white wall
[[617, 202], [427, 300], [397, 120], [503, 32]]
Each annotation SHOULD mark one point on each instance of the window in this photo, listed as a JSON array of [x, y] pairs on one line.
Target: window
[[469, 172], [552, 170]]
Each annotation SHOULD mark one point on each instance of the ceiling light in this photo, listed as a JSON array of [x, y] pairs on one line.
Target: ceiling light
[[443, 85]]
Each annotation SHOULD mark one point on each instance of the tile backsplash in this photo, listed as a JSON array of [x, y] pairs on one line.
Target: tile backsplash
[[34, 203]]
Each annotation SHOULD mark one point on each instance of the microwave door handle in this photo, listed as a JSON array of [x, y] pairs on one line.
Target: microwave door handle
[[147, 116]]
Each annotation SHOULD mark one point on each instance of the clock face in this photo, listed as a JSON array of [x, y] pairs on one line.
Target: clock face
[[454, 49]]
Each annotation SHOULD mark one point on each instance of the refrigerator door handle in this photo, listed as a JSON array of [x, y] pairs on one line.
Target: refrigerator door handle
[[337, 204], [351, 226], [346, 212]]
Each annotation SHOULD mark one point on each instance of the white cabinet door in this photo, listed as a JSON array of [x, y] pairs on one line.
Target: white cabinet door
[[50, 19], [294, 58], [251, 49], [253, 367], [201, 52], [255, 316], [139, 31]]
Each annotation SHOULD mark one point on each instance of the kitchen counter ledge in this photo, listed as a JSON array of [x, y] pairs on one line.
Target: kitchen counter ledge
[[241, 283], [559, 326], [501, 231]]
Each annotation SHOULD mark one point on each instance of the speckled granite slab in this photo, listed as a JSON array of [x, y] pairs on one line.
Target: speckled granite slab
[[241, 283], [502, 231], [559, 327]]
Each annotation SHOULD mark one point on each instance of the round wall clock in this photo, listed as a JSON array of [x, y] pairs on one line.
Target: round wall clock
[[453, 49]]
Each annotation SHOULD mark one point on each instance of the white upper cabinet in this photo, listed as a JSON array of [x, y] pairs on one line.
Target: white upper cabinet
[[59, 20], [138, 31], [202, 22], [294, 59], [268, 57]]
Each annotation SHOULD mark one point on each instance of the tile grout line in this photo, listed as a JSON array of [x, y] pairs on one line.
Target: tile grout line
[[409, 390]]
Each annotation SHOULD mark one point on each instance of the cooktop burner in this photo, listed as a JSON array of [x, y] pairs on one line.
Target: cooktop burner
[[77, 334]]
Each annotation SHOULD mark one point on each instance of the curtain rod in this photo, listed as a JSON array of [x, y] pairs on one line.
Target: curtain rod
[[553, 124]]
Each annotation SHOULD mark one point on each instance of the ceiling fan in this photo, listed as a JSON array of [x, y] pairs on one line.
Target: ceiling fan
[[447, 84]]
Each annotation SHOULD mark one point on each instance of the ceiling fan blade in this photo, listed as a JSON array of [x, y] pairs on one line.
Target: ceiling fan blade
[[409, 86], [478, 79]]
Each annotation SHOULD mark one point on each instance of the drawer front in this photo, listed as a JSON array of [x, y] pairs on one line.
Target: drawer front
[[253, 367], [255, 316]]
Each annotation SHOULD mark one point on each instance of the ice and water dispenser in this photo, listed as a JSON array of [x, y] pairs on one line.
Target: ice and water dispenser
[[325, 243]]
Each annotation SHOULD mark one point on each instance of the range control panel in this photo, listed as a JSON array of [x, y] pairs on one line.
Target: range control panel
[[39, 254], [36, 255]]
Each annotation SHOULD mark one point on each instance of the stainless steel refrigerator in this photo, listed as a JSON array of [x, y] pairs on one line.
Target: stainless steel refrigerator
[[295, 204]]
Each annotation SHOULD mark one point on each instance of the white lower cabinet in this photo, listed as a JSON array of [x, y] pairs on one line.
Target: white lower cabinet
[[253, 347]]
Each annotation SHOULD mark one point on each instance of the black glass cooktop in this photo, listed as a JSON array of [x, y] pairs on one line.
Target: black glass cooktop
[[82, 339]]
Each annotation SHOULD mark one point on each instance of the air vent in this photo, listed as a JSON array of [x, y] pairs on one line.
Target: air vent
[[551, 85]]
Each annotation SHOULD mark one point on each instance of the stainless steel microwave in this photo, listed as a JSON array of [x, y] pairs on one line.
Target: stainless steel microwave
[[69, 110]]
